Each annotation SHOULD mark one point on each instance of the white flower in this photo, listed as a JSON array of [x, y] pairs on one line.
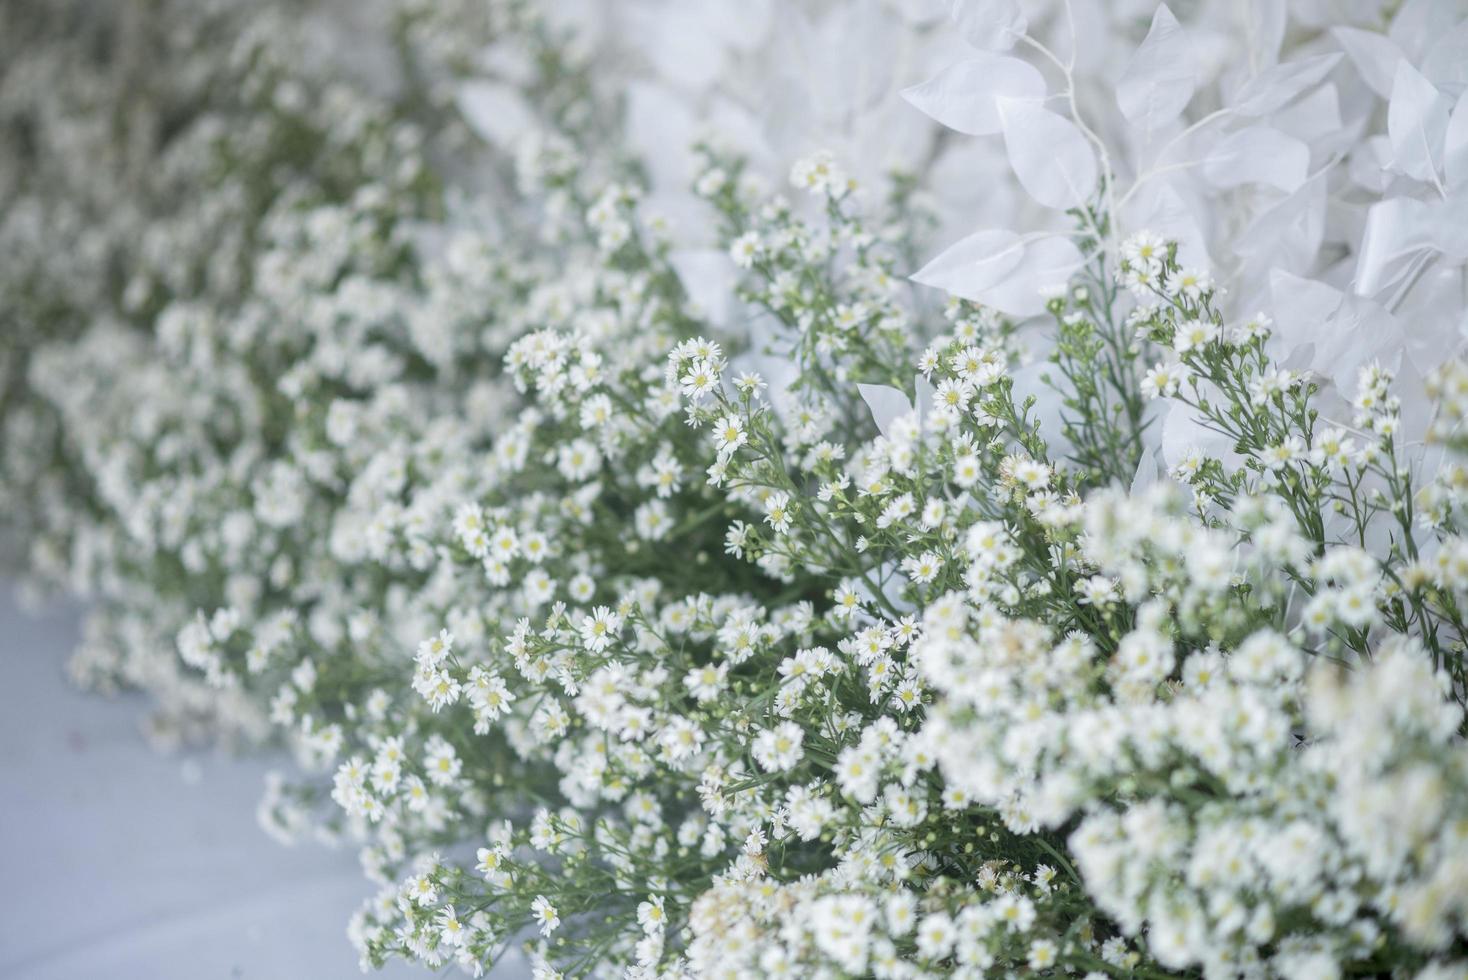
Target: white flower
[[1164, 380], [777, 511], [745, 249], [600, 628], [545, 913], [729, 435], [779, 749], [650, 915]]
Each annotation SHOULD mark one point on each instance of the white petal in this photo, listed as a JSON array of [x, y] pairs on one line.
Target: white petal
[[1050, 156], [962, 95], [1274, 87], [1160, 78]]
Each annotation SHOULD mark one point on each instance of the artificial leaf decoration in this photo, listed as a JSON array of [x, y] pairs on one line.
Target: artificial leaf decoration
[[1049, 154], [990, 25], [496, 111], [886, 403], [998, 269], [1417, 123], [962, 96], [1258, 155], [1455, 145], [1397, 231], [1445, 62], [973, 264], [1047, 264], [1275, 87], [1374, 55], [1160, 78]]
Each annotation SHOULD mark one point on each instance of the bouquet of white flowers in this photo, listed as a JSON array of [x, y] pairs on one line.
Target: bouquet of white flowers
[[685, 575]]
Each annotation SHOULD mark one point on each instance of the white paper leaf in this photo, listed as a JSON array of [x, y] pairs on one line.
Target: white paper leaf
[[1160, 78], [990, 25], [975, 263], [1449, 226], [708, 278], [662, 129], [1396, 232], [1418, 23], [887, 404], [1455, 145], [1417, 123], [1158, 207], [1050, 156], [1047, 264], [495, 111], [1258, 155], [1274, 87], [1264, 25], [1374, 55], [1316, 118], [992, 267], [1288, 235], [1446, 62], [1184, 430], [1319, 328], [962, 95], [925, 392]]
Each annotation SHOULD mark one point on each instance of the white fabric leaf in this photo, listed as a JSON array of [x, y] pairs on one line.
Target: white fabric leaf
[[962, 95], [990, 25], [1417, 123], [1274, 87], [1258, 155], [495, 111], [1374, 55], [1455, 145], [887, 404], [1050, 156], [1161, 76], [973, 264]]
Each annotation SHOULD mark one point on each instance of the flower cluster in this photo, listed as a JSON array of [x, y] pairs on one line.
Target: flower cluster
[[645, 573]]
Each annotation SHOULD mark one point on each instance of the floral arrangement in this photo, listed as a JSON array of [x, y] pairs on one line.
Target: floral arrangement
[[662, 552]]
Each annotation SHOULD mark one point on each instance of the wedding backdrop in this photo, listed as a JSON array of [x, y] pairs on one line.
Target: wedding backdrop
[[748, 488]]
